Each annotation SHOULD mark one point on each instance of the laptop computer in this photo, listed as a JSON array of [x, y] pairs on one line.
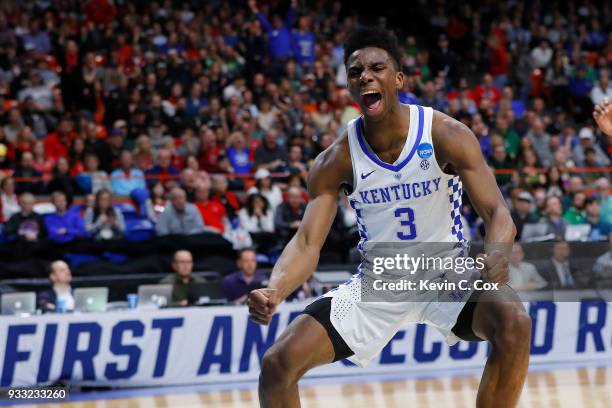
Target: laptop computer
[[18, 303], [579, 232], [90, 299], [208, 293], [154, 296]]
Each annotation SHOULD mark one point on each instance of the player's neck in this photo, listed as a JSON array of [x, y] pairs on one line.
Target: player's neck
[[383, 133]]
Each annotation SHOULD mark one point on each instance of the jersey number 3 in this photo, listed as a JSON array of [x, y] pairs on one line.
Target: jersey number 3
[[406, 220]]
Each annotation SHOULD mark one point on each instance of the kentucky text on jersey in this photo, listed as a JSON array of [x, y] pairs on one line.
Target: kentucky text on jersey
[[400, 192]]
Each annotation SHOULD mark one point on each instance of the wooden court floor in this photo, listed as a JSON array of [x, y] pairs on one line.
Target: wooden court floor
[[572, 388]]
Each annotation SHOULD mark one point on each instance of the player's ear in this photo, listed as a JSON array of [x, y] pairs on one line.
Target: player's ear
[[399, 80]]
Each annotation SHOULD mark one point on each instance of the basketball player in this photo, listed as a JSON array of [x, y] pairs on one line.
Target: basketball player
[[397, 198]]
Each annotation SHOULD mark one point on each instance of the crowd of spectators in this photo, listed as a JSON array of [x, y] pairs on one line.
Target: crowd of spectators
[[207, 115]]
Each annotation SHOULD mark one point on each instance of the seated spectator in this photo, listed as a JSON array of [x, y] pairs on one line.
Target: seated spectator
[[26, 171], [289, 214], [559, 271], [92, 179], [61, 179], [189, 180], [521, 213], [237, 285], [179, 216], [103, 221], [523, 275], [156, 203], [42, 163], [599, 227], [58, 142], [163, 171], [605, 199], [60, 277], [257, 216], [213, 212], [63, 225], [94, 145], [270, 155], [26, 225], [603, 265], [587, 141], [270, 191], [127, 177], [238, 154], [575, 214], [220, 193], [8, 199], [182, 278], [553, 213]]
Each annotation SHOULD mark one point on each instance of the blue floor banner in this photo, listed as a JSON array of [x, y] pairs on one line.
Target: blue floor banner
[[220, 344]]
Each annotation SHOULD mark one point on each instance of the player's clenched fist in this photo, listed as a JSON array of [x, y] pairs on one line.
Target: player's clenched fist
[[603, 116], [262, 305], [496, 267]]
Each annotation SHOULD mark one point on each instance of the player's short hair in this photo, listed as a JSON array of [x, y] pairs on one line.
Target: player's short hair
[[364, 37]]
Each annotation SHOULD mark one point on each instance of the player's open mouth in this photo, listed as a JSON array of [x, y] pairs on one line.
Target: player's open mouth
[[372, 101]]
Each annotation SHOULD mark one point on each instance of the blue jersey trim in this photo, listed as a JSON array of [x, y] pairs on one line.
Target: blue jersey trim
[[368, 152]]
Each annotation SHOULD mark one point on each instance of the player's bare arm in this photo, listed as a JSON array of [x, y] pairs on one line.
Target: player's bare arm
[[457, 148], [330, 171]]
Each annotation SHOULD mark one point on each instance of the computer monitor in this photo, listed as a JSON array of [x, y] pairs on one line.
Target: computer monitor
[[208, 293], [90, 299], [154, 296], [18, 303]]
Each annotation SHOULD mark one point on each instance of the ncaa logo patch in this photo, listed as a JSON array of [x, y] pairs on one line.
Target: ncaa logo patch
[[424, 164], [425, 150]]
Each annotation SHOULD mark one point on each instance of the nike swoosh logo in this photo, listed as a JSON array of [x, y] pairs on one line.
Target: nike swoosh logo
[[365, 176]]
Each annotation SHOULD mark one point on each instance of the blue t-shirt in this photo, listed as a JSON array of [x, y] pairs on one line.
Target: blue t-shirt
[[240, 160], [303, 47]]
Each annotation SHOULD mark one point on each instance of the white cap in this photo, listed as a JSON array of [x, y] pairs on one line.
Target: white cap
[[262, 174], [586, 133]]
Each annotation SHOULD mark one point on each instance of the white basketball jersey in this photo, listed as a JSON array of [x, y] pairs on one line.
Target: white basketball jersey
[[411, 200]]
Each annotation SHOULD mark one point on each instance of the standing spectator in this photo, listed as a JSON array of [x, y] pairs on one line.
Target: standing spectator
[[179, 216], [28, 179], [271, 155], [257, 216], [103, 221], [289, 214], [63, 225], [9, 202], [25, 225], [127, 177], [523, 275], [279, 33], [60, 277], [605, 199], [182, 278], [237, 285], [304, 43]]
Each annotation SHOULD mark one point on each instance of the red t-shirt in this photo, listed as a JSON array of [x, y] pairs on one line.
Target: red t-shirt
[[55, 148], [212, 214]]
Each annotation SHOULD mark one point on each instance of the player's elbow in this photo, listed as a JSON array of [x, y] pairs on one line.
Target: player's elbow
[[500, 220]]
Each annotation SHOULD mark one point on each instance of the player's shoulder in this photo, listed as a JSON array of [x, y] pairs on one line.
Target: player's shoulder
[[442, 124], [333, 164]]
